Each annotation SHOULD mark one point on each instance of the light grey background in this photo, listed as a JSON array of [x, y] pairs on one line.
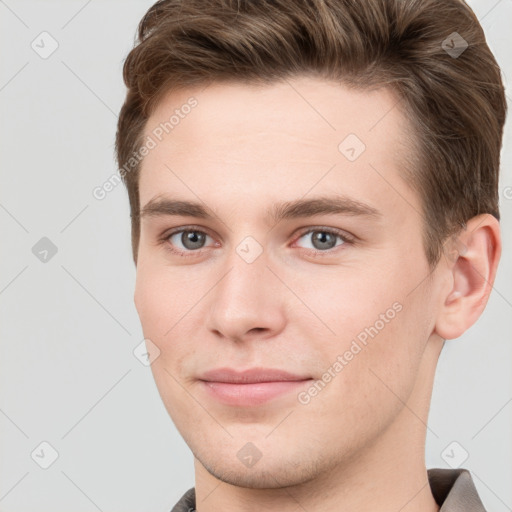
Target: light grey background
[[69, 326]]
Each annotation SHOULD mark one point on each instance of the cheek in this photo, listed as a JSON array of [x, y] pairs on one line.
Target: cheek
[[166, 304], [353, 303], [377, 378], [160, 305], [157, 303], [395, 353], [380, 333]]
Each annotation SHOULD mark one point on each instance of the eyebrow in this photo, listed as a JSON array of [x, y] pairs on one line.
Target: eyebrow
[[325, 205]]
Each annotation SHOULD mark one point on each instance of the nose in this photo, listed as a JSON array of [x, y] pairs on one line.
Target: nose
[[248, 301]]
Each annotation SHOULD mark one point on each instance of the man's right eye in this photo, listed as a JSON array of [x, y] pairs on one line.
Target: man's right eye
[[182, 241]]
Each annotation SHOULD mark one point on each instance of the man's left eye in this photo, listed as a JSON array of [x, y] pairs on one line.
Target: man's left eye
[[323, 239]]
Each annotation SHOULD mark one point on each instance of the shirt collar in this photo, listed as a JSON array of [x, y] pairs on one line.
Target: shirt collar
[[453, 490]]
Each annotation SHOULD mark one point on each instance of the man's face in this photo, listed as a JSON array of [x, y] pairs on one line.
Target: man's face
[[338, 299]]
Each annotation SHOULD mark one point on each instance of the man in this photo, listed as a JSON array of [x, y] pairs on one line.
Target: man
[[314, 198]]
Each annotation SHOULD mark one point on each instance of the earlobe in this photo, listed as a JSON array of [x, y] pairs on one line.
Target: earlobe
[[472, 261]]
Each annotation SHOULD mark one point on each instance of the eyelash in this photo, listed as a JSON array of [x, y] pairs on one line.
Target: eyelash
[[347, 239]]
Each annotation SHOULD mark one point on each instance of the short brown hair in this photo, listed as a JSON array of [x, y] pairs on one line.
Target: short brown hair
[[455, 103]]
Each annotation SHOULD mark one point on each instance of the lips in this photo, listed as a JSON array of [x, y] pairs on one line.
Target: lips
[[251, 387], [250, 376]]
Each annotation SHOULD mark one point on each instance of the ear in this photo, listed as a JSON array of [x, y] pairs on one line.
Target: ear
[[471, 261]]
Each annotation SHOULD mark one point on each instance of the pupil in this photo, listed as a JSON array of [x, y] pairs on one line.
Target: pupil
[[192, 239], [321, 238]]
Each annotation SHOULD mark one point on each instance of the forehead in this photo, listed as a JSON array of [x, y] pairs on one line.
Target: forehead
[[279, 139]]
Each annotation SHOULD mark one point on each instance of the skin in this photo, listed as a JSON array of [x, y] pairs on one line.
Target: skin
[[360, 442]]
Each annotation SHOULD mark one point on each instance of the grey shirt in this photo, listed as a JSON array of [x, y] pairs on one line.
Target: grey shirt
[[453, 490]]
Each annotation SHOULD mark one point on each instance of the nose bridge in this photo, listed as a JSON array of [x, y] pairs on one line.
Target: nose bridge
[[246, 296]]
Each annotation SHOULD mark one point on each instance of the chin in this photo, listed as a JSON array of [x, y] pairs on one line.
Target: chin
[[266, 473]]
